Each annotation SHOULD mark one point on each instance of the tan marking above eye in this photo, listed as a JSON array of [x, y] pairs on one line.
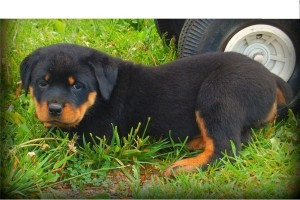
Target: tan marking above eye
[[47, 77], [71, 80]]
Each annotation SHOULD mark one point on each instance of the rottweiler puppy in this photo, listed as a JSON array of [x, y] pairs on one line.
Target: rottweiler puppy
[[211, 98]]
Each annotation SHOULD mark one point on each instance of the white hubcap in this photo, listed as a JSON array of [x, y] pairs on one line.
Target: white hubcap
[[268, 45]]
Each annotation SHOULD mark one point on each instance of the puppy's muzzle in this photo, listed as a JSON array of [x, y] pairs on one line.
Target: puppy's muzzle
[[55, 109]]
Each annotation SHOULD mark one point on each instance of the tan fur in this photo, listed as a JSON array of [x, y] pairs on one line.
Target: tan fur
[[41, 109], [47, 77], [190, 164], [280, 98], [272, 114], [71, 80], [71, 116], [196, 143]]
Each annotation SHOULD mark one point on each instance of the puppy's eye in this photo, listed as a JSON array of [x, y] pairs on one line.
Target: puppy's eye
[[43, 83], [77, 86]]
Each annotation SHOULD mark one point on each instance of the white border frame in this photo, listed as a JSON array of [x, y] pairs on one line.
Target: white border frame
[[268, 9]]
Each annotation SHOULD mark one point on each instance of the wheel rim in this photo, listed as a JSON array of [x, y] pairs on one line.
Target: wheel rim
[[268, 45]]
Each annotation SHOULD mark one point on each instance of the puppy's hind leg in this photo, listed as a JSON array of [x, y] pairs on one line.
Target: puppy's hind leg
[[214, 139], [196, 143]]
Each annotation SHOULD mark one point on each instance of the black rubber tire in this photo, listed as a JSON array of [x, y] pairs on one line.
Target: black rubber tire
[[169, 28], [206, 35]]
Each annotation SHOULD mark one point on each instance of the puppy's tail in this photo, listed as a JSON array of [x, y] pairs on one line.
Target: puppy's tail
[[284, 92]]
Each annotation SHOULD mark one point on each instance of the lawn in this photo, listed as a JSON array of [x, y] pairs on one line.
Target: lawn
[[36, 163]]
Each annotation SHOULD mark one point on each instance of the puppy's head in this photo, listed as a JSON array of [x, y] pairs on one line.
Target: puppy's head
[[64, 81]]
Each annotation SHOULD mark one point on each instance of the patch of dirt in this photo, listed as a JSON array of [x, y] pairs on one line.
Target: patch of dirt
[[115, 185]]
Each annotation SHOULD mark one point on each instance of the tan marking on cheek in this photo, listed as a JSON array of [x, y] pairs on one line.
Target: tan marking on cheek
[[72, 115], [31, 91], [41, 109], [71, 80], [90, 101], [92, 98]]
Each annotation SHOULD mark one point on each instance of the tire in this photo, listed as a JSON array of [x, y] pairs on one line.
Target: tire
[[205, 35], [169, 28]]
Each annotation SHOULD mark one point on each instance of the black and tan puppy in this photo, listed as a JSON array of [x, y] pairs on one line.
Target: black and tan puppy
[[211, 98]]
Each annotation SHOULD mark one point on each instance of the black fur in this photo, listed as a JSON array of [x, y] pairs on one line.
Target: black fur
[[231, 92]]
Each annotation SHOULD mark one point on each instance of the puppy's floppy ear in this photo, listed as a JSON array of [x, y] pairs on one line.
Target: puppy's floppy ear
[[27, 66], [106, 73]]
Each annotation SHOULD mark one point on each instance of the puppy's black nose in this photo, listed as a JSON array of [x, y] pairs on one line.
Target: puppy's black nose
[[55, 109]]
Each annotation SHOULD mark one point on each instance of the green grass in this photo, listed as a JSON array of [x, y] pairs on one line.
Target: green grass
[[40, 164], [264, 169]]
